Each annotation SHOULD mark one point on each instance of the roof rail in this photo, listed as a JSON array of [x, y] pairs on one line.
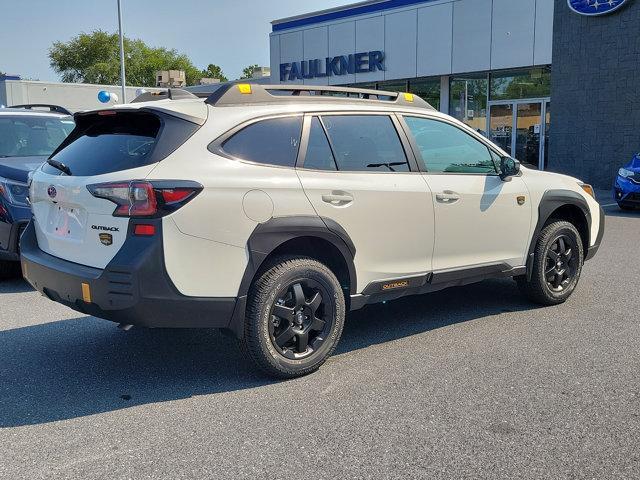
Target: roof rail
[[170, 93], [251, 93], [52, 108]]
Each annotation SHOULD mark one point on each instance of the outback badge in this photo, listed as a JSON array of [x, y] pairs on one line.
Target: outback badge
[[106, 239]]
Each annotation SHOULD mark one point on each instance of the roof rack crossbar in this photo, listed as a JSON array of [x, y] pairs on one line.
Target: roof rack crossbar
[[52, 108], [259, 94]]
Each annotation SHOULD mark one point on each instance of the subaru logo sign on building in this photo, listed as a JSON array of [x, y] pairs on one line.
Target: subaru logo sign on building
[[595, 7]]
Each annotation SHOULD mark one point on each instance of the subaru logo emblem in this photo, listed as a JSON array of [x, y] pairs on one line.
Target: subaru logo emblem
[[595, 7], [51, 191]]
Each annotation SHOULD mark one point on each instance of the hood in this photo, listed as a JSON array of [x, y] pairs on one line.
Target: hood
[[545, 173], [17, 168]]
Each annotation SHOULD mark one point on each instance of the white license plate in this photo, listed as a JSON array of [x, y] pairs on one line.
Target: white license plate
[[66, 223]]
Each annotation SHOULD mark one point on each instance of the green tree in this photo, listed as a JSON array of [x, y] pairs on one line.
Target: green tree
[[214, 71], [249, 71], [95, 58]]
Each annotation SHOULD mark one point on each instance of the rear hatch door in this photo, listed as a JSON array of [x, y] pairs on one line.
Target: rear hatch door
[[118, 146]]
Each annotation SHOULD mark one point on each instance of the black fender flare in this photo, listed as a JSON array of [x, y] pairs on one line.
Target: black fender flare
[[550, 202], [268, 236]]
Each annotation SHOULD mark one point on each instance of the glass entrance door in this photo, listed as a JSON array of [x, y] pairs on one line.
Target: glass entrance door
[[528, 133], [501, 126], [521, 128]]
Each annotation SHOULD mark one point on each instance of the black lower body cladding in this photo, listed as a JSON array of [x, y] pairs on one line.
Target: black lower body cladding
[[134, 288]]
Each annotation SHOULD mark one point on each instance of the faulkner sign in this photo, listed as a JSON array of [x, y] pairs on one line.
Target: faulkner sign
[[332, 66]]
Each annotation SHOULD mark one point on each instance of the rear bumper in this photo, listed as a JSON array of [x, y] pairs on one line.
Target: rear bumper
[[133, 289]]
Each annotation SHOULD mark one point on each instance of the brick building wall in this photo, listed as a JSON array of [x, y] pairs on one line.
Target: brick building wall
[[595, 92]]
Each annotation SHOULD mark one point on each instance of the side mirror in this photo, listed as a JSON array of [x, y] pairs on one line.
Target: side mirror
[[509, 167]]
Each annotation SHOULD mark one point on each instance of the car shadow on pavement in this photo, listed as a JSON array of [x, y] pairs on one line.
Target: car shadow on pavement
[[85, 366], [14, 285]]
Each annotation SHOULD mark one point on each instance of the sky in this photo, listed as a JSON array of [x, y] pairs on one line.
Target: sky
[[229, 33]]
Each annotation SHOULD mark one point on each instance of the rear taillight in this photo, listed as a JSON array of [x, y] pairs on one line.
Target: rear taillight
[[142, 199]]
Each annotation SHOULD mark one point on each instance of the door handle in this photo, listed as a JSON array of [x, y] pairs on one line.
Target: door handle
[[447, 197], [337, 199]]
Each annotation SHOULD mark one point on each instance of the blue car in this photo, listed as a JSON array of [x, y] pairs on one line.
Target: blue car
[[28, 135], [626, 189]]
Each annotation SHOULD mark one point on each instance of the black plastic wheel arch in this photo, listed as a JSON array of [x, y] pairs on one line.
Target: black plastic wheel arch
[[268, 236], [551, 201]]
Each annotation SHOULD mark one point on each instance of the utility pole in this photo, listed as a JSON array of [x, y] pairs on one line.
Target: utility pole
[[122, 75]]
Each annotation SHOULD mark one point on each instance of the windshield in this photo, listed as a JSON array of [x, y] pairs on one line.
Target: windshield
[[32, 135]]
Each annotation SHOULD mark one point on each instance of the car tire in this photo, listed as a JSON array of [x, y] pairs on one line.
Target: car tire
[[9, 269], [295, 316], [557, 264]]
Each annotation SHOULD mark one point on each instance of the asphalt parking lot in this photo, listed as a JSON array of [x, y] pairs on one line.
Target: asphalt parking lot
[[472, 382]]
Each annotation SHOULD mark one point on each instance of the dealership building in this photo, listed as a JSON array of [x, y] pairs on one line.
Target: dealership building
[[554, 83]]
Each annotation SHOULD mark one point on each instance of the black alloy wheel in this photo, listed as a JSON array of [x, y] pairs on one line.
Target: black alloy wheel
[[556, 266], [561, 263], [295, 316], [299, 321]]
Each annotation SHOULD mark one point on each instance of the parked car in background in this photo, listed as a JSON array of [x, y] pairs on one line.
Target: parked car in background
[[626, 189], [28, 135]]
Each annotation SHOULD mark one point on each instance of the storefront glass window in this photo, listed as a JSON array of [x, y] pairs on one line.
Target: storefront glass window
[[468, 100], [515, 84], [427, 89], [393, 86], [369, 86]]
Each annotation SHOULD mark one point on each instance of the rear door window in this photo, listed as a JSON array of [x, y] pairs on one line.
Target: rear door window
[[274, 141], [365, 143]]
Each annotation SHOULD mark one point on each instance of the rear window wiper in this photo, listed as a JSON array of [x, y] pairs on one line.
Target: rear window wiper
[[60, 166], [388, 165]]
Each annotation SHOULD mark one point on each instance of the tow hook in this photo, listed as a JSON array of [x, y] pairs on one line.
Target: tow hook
[[125, 326]]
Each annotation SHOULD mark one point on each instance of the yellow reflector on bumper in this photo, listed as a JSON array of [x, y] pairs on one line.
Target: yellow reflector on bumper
[[86, 292], [244, 88], [408, 97]]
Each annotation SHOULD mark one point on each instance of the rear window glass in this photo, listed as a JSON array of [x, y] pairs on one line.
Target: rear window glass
[[366, 143], [271, 142], [109, 143], [32, 136]]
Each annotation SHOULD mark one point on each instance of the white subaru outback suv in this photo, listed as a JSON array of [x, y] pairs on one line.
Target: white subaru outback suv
[[271, 211]]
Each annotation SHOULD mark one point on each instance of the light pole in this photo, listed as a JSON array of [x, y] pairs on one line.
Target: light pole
[[122, 75]]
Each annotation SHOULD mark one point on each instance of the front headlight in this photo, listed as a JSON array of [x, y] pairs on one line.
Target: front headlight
[[623, 172], [14, 192]]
